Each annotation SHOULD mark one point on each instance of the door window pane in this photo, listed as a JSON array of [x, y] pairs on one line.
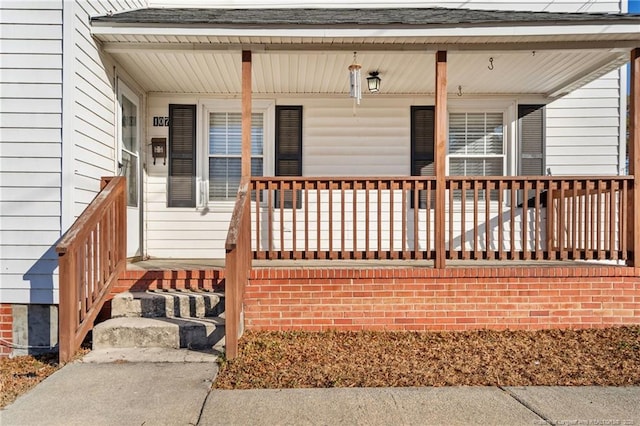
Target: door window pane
[[130, 171], [129, 125], [129, 155]]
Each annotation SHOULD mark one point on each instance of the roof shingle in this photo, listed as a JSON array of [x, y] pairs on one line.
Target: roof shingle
[[362, 17]]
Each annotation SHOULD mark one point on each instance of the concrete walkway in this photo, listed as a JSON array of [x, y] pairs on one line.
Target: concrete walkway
[[132, 391]]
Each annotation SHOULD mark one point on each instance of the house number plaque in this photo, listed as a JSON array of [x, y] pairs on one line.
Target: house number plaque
[[159, 121]]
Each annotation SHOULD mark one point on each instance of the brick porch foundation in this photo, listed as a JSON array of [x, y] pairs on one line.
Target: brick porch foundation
[[449, 299]]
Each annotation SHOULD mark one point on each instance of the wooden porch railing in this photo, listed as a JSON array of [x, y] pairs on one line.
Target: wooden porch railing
[[342, 218], [538, 218], [502, 218], [91, 256], [237, 268]]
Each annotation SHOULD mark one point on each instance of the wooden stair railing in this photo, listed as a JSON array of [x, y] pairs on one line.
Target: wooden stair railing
[[237, 268], [91, 256]]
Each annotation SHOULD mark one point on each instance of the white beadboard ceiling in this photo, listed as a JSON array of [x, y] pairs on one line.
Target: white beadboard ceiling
[[548, 73]]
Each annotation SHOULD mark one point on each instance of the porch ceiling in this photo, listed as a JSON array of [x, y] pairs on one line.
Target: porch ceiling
[[550, 73]]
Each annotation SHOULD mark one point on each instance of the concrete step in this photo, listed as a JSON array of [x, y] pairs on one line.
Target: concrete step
[[168, 303], [141, 332]]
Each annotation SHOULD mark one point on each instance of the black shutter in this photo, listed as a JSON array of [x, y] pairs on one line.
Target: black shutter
[[422, 146], [182, 156], [531, 137], [531, 146], [289, 149]]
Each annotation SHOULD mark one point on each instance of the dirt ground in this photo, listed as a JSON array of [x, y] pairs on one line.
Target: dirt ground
[[608, 356]]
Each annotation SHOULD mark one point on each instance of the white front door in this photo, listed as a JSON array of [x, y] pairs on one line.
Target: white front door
[[129, 164]]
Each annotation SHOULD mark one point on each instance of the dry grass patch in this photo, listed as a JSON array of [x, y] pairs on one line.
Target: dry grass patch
[[477, 358], [19, 374]]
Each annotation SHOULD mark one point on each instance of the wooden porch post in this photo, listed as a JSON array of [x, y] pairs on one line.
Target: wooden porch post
[[634, 156], [246, 114], [440, 156]]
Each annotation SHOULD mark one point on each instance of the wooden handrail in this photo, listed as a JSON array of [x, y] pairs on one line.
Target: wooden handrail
[[237, 268], [91, 256]]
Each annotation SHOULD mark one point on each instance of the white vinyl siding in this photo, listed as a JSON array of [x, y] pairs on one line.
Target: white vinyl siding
[[31, 148], [35, 187], [583, 130], [93, 121], [375, 141]]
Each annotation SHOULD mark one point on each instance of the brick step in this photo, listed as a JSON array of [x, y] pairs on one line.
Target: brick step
[[168, 303], [141, 332], [141, 280]]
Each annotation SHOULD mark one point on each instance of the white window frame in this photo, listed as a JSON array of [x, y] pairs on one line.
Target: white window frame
[[509, 109], [266, 108]]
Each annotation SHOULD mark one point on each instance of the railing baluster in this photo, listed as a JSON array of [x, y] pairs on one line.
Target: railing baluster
[[537, 224], [342, 221], [525, 221], [281, 189], [476, 236], [512, 224], [404, 212], [270, 195], [330, 219], [487, 219], [257, 187], [551, 219], [501, 253], [599, 221], [416, 219], [294, 209], [356, 255], [391, 254], [562, 230], [449, 247], [574, 220], [81, 272], [306, 219], [379, 228], [463, 220], [623, 220], [366, 221], [613, 253], [318, 218], [588, 225], [428, 228]]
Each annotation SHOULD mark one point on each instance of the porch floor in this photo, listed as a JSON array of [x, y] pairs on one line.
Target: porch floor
[[203, 264]]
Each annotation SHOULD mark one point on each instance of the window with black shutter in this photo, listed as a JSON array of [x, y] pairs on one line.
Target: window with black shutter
[[288, 156], [422, 145], [182, 157]]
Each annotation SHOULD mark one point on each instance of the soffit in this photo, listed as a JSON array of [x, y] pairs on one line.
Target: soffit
[[218, 72]]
